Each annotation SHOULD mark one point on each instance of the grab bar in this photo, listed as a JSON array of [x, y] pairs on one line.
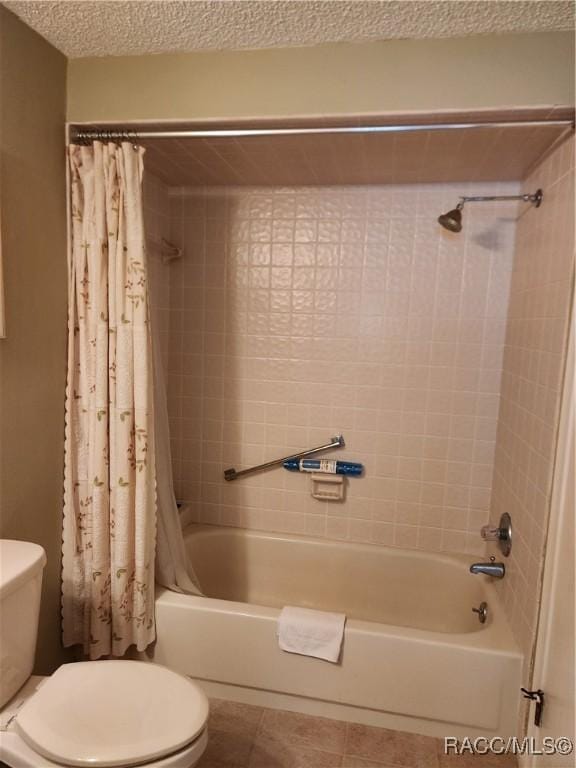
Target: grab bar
[[335, 442]]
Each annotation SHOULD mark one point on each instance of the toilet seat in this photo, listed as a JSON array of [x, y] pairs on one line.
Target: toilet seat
[[112, 713]]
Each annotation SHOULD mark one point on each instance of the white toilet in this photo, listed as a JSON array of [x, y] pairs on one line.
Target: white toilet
[[95, 713]]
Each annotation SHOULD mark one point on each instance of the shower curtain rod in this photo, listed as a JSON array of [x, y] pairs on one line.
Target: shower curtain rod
[[80, 134]]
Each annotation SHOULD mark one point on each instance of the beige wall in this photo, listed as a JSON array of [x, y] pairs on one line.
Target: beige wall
[[33, 356], [299, 313], [534, 359], [399, 75]]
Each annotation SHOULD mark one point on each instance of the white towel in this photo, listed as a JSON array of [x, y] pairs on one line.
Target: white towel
[[311, 633]]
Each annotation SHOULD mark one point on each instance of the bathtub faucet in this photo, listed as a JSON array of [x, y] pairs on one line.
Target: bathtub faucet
[[497, 570]]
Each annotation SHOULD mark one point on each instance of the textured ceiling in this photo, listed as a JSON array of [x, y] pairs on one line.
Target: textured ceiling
[[128, 27]]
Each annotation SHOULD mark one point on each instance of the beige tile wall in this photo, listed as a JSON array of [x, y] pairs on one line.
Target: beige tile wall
[[534, 359], [435, 156], [300, 313]]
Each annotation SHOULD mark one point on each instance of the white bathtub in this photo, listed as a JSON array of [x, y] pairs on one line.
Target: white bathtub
[[415, 656]]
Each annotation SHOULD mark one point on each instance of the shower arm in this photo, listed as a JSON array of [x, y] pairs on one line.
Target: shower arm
[[534, 198], [335, 442]]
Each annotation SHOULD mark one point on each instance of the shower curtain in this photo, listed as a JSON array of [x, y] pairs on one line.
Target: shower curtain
[[110, 489], [121, 524], [173, 567]]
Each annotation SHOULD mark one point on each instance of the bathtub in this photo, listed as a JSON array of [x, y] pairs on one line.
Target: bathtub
[[415, 656]]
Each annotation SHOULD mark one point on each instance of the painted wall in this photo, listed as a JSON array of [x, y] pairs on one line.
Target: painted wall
[[535, 355], [345, 79], [33, 356], [299, 313]]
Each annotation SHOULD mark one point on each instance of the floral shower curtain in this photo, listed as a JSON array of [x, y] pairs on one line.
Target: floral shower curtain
[[110, 498]]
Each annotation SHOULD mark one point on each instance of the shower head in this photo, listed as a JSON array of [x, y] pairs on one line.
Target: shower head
[[452, 221]]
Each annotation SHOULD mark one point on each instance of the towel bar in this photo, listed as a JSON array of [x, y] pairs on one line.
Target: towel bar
[[335, 442]]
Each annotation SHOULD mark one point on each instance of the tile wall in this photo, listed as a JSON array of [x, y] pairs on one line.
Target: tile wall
[[299, 313], [534, 359], [426, 156]]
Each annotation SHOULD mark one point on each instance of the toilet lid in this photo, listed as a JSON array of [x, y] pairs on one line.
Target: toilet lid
[[112, 713]]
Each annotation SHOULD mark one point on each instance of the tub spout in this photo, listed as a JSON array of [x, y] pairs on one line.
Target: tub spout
[[496, 570]]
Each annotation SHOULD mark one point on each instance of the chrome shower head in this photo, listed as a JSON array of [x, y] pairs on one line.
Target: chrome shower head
[[452, 221]]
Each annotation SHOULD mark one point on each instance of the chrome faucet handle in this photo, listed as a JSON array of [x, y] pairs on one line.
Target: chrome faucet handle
[[490, 533], [502, 534]]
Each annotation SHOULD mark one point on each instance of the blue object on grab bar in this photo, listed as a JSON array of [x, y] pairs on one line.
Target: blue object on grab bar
[[329, 466]]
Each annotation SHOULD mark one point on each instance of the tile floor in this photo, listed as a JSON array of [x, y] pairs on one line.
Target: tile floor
[[246, 736]]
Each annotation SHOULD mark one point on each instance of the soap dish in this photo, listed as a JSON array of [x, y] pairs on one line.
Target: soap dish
[[326, 487]]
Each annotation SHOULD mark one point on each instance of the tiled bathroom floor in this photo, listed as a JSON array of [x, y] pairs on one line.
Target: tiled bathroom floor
[[246, 736]]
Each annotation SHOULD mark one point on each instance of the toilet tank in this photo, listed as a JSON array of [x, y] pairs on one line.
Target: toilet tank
[[21, 565]]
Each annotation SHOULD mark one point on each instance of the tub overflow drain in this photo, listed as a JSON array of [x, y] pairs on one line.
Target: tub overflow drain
[[482, 612]]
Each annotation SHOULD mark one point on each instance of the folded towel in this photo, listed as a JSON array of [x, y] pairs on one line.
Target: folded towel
[[311, 633]]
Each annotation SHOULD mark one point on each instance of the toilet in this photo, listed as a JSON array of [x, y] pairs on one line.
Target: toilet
[[94, 713]]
